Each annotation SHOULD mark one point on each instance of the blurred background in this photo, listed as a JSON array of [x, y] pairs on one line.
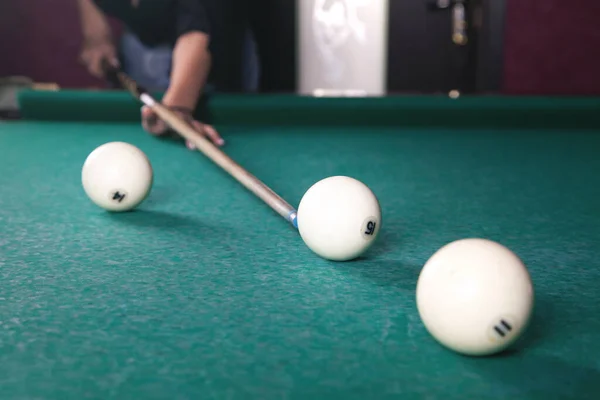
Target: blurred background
[[523, 47]]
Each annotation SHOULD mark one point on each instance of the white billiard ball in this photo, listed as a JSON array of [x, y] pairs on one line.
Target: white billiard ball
[[339, 218], [475, 296], [117, 176]]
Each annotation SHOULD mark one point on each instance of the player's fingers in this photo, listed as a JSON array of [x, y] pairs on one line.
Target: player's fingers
[[200, 129], [98, 56], [111, 57], [152, 123], [113, 61], [208, 131], [91, 60], [95, 66], [213, 135]]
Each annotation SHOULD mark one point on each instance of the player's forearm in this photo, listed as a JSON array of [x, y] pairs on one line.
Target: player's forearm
[[94, 24], [191, 64]]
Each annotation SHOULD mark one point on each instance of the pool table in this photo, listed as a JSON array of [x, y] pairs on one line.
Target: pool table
[[204, 292]]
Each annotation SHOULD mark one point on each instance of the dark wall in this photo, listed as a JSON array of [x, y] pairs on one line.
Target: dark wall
[[552, 47], [34, 43]]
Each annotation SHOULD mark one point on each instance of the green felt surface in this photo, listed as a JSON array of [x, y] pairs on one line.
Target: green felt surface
[[206, 293]]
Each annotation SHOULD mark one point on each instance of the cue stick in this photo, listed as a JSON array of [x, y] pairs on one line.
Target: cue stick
[[184, 129]]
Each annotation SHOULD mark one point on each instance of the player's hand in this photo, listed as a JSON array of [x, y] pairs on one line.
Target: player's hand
[[157, 127], [94, 52]]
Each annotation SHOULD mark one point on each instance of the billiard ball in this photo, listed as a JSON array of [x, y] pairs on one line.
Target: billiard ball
[[339, 218], [117, 176], [454, 94], [475, 296]]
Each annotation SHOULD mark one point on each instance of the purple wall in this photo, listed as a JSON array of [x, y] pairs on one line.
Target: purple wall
[[35, 44], [552, 46]]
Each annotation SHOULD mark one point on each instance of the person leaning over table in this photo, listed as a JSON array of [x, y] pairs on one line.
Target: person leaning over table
[[160, 26]]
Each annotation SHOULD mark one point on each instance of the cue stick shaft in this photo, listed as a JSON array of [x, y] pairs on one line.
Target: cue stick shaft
[[221, 159], [203, 145]]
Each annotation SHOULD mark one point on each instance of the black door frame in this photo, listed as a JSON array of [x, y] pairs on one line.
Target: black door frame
[[423, 58], [490, 47]]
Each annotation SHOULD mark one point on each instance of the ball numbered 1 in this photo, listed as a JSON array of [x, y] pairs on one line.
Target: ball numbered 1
[[339, 218], [117, 176], [475, 296]]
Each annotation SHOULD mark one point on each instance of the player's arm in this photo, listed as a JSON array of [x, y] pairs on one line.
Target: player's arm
[[93, 21], [191, 65], [190, 68], [191, 55], [97, 37]]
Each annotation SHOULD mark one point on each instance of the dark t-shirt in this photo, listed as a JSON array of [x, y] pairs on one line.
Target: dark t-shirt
[[161, 22], [157, 22]]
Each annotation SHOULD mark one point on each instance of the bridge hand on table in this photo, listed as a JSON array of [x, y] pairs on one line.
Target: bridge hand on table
[[157, 127]]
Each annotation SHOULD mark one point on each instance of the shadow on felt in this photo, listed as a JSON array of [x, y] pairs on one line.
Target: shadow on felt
[[543, 323], [390, 273], [159, 195], [531, 376], [166, 222], [373, 265]]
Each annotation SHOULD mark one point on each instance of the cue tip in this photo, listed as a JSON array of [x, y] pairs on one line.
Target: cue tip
[[293, 218]]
